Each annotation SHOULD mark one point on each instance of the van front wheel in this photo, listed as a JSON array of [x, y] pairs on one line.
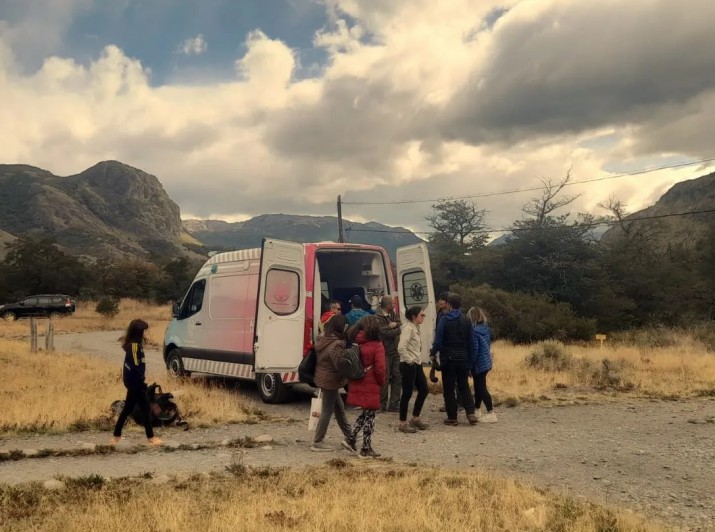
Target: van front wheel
[[271, 388], [175, 365]]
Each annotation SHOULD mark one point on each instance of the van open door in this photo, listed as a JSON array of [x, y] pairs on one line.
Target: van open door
[[414, 285], [280, 310]]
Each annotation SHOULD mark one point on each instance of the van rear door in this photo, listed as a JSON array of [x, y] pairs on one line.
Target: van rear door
[[280, 313], [414, 285]]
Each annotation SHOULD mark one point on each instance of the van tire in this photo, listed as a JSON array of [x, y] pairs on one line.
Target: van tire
[[271, 388], [175, 365], [9, 316]]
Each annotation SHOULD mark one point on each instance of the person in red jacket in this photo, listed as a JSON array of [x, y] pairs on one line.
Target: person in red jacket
[[365, 393]]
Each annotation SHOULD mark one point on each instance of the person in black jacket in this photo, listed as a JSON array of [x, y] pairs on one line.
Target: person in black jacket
[[133, 375], [453, 342]]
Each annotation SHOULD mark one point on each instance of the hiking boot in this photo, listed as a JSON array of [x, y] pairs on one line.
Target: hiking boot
[[404, 427], [321, 447], [115, 440], [489, 417], [369, 453], [418, 424], [473, 420], [154, 442], [349, 445], [451, 422]]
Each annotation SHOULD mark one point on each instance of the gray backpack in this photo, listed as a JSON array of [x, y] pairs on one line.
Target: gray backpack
[[349, 364]]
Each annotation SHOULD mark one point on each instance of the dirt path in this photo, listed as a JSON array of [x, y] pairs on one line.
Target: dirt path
[[651, 456]]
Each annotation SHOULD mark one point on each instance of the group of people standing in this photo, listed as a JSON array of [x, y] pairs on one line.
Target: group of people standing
[[391, 353]]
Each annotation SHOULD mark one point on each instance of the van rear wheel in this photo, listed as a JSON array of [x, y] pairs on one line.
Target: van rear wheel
[[175, 365], [271, 388]]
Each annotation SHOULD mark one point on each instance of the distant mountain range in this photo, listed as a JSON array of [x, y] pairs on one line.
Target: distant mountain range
[[117, 211]]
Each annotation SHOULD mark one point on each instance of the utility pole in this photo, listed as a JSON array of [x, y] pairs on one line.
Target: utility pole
[[341, 233]]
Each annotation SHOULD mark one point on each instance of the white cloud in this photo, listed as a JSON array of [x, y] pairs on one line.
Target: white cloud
[[418, 100], [193, 45]]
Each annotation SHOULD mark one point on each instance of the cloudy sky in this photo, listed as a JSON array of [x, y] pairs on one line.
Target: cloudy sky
[[261, 106]]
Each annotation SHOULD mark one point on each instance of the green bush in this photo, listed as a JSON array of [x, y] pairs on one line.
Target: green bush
[[526, 318], [550, 355], [108, 307]]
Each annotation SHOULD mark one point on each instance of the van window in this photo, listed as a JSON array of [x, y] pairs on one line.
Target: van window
[[415, 286], [194, 300], [282, 291]]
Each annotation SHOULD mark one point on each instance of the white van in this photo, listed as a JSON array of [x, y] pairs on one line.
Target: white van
[[254, 313]]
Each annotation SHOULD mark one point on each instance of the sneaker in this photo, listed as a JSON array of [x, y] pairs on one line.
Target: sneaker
[[473, 420], [321, 447], [115, 440], [489, 417], [349, 445], [418, 424], [404, 427], [393, 409], [451, 422], [154, 442], [369, 453], [479, 414]]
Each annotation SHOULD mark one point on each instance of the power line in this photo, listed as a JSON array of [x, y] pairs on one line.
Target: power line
[[517, 229], [533, 189]]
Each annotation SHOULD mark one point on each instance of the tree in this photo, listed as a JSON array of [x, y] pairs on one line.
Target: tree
[[458, 226], [35, 265], [459, 232]]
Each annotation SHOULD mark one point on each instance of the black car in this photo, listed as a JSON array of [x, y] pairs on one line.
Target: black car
[[51, 305]]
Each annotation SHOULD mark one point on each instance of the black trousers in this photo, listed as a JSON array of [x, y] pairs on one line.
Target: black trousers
[[455, 373], [412, 377], [135, 396], [481, 394]]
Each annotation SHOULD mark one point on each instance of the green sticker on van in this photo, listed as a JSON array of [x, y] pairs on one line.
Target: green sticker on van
[[214, 268]]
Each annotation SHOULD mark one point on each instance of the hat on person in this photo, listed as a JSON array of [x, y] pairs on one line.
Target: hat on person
[[356, 301]]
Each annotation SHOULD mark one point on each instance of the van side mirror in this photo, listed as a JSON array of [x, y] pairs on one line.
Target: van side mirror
[[175, 310]]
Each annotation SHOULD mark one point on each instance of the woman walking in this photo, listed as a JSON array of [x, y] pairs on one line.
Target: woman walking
[[327, 349], [365, 393], [133, 375], [482, 363], [413, 376]]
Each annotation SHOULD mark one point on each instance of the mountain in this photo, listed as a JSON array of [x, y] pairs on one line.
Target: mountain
[[686, 196], [116, 211], [109, 210], [296, 228]]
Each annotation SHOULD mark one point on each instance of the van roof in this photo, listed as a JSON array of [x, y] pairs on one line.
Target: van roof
[[235, 256]]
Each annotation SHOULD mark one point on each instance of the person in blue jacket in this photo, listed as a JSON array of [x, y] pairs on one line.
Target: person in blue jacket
[[133, 375], [356, 311], [482, 363]]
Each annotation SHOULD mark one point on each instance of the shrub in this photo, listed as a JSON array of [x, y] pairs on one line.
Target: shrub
[[108, 307], [610, 374], [550, 356], [524, 318]]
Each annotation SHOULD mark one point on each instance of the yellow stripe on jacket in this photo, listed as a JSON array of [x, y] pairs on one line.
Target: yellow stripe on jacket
[[135, 351]]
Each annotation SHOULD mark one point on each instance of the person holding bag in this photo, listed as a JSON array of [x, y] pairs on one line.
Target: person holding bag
[[365, 393], [328, 348]]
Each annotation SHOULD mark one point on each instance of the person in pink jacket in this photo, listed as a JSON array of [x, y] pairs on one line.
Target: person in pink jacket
[[365, 393]]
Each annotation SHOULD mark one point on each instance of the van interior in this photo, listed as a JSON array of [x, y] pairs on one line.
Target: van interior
[[343, 273]]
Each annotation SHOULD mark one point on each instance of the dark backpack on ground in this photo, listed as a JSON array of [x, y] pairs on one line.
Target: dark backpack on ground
[[306, 370], [164, 411], [349, 365]]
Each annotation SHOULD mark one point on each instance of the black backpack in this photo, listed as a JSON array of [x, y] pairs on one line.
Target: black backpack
[[349, 364], [306, 370]]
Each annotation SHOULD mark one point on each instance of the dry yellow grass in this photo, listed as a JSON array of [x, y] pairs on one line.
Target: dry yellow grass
[[86, 319], [687, 370], [63, 391], [344, 497]]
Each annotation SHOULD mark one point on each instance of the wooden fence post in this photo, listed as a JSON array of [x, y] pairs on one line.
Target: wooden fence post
[[33, 335], [50, 337]]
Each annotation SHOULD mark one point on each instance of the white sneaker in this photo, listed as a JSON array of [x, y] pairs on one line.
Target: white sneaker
[[489, 417], [479, 414]]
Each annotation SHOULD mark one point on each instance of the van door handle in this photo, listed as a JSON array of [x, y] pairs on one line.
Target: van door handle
[[197, 323]]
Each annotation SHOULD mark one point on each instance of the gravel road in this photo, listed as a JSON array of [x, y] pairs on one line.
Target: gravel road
[[655, 457]]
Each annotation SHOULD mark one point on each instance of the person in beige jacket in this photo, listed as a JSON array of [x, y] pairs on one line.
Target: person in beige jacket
[[410, 351]]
